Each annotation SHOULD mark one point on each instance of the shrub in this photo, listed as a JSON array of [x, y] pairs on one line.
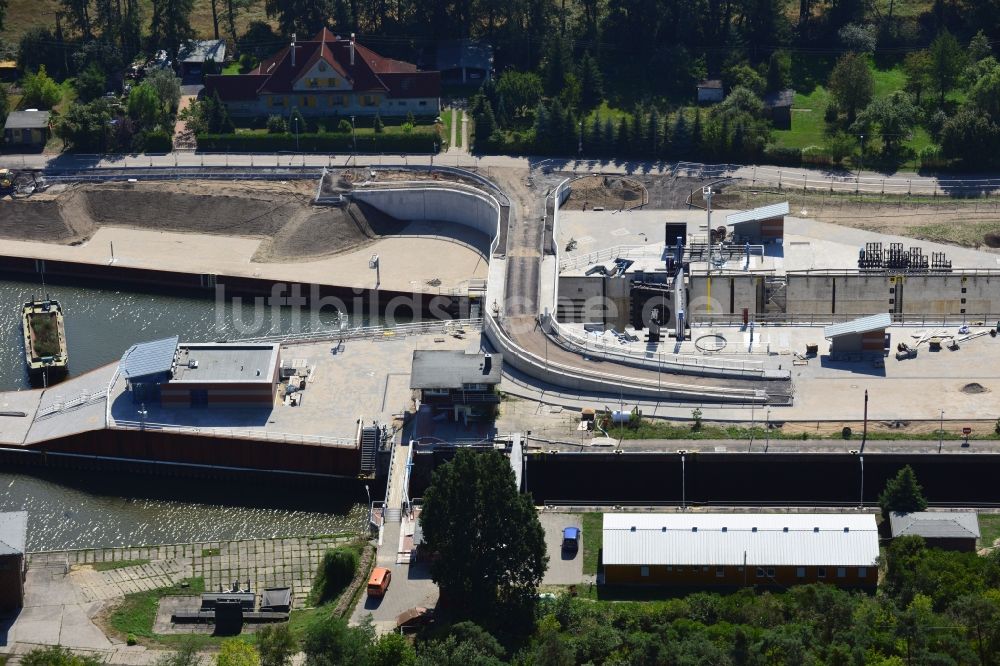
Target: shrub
[[276, 125], [783, 155], [345, 126], [846, 432], [815, 155], [696, 415], [931, 158], [830, 113], [40, 91], [247, 63], [157, 141], [996, 428], [422, 141], [131, 639], [335, 573], [378, 125], [57, 656]]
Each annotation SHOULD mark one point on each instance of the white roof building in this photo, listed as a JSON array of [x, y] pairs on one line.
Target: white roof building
[[721, 539]]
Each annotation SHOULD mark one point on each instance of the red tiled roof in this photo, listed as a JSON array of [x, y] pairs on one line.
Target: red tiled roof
[[371, 72]]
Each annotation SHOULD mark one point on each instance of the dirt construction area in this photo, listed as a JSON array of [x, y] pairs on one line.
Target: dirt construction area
[[610, 192], [281, 214]]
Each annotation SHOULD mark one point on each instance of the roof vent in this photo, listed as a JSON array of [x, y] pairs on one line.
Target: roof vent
[[725, 529], [487, 363], [815, 529], [753, 529], [663, 529], [784, 529], [193, 364], [847, 529], [632, 529], [694, 529], [258, 372]]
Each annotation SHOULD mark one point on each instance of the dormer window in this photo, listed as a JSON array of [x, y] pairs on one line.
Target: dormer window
[[322, 67]]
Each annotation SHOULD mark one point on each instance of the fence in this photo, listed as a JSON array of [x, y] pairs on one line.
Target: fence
[[667, 361], [373, 332], [235, 433], [785, 319], [79, 401]]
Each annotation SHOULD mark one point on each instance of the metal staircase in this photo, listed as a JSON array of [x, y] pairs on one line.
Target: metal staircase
[[370, 439]]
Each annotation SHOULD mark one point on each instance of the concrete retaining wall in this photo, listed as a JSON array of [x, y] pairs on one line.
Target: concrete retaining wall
[[478, 211]]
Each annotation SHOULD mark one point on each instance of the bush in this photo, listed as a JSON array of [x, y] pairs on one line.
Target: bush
[[423, 141], [830, 113], [57, 656], [276, 125], [783, 155], [40, 91], [131, 640], [157, 141], [931, 158], [378, 125], [846, 432], [345, 126], [247, 63], [335, 573], [816, 155]]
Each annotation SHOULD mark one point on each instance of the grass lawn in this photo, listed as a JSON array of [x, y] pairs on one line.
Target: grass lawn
[[593, 540], [137, 612], [606, 112], [989, 528], [119, 564], [446, 129]]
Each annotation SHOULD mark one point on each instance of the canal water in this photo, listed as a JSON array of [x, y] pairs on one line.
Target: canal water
[[87, 509]]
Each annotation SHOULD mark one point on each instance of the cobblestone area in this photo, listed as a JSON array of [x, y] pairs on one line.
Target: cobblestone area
[[265, 563]]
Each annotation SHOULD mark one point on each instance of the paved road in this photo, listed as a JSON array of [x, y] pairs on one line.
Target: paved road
[[869, 181]]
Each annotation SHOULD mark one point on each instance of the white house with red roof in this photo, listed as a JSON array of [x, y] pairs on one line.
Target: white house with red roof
[[328, 76]]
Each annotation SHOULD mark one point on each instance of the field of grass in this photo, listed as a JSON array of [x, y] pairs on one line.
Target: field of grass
[[119, 564], [137, 612], [989, 529], [667, 430], [593, 540]]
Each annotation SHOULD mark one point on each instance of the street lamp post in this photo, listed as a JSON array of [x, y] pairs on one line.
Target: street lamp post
[[580, 146], [861, 501], [295, 122], [368, 492], [683, 479], [767, 431], [354, 139], [941, 432]]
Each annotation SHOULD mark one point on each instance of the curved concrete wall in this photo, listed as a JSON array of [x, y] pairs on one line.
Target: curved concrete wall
[[479, 211]]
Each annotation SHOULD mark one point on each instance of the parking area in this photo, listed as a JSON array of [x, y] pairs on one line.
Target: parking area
[[565, 567]]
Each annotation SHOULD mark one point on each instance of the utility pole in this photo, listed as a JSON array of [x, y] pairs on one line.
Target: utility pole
[[861, 501], [354, 139], [767, 431], [683, 479], [864, 432], [941, 432]]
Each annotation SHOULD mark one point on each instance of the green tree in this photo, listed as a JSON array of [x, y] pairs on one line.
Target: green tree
[[330, 642], [377, 125], [979, 47], [745, 76], [39, 90], [902, 494], [87, 127], [234, 652], [984, 93], [90, 83], [3, 13], [970, 136], [276, 645], [170, 25], [391, 649], [947, 61], [852, 84], [521, 91], [891, 117], [489, 543], [336, 571], [303, 16], [144, 106], [980, 615], [917, 66], [858, 38], [167, 87], [779, 71], [591, 82], [57, 656]]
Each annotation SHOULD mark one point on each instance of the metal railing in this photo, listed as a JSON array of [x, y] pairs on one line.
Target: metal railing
[[609, 254], [79, 401], [373, 332], [234, 433], [781, 319], [669, 362]]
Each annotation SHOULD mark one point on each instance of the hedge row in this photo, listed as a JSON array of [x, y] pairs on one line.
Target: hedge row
[[418, 141]]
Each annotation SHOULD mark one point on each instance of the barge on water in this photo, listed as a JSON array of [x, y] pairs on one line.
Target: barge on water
[[44, 331]]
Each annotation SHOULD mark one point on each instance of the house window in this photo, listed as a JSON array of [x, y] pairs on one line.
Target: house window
[[332, 83], [423, 104], [862, 572], [644, 572], [821, 572], [760, 572], [963, 290], [720, 572], [322, 67], [770, 572], [800, 572], [312, 83], [841, 572], [369, 100], [963, 301], [278, 101], [430, 392], [474, 387]]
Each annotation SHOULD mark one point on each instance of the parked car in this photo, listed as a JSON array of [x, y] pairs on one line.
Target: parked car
[[378, 582], [571, 539]]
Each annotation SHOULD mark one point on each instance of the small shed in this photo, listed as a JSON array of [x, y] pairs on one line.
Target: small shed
[[464, 61], [948, 530], [193, 55], [866, 334], [759, 225], [778, 107], [13, 565], [710, 91], [26, 130]]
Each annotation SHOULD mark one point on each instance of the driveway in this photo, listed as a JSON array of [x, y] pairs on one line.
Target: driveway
[[565, 568]]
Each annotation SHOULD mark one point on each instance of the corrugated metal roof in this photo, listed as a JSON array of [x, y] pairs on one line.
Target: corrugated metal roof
[[715, 539], [149, 358], [862, 325], [27, 120], [936, 524], [762, 213], [13, 532]]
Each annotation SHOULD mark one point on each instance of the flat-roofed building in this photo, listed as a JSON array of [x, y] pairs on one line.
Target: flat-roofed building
[[223, 375], [457, 382], [865, 334], [765, 224], [733, 550], [948, 530]]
